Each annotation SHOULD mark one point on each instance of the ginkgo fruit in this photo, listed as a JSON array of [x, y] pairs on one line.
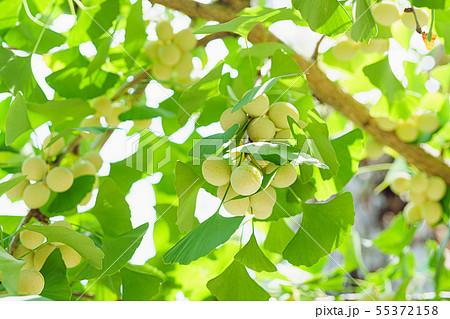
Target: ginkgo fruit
[[95, 158], [432, 212], [427, 121], [436, 188], [164, 30], [375, 45], [31, 239], [35, 168], [216, 171], [142, 124], [185, 40], [184, 66], [59, 179], [401, 183], [417, 198], [26, 254], [229, 118], [264, 199], [93, 121], [55, 148], [261, 129], [262, 214], [258, 107], [236, 207], [113, 119], [31, 282], [373, 149], [83, 168], [279, 112], [161, 72], [36, 195], [169, 54], [418, 183], [62, 223], [412, 213], [409, 20], [102, 105], [284, 177], [284, 134], [345, 50], [385, 13], [17, 191], [86, 199], [151, 49], [70, 256], [386, 124], [407, 131], [246, 179], [41, 255]]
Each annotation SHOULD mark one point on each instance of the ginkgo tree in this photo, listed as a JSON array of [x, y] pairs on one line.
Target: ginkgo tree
[[285, 135]]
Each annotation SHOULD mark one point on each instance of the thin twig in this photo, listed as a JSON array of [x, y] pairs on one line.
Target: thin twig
[[15, 241], [136, 80], [316, 50]]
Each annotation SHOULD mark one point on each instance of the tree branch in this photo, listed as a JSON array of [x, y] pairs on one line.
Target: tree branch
[[323, 88], [31, 213]]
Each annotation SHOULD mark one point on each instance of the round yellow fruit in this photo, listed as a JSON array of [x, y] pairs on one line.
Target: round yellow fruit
[[417, 198], [151, 49], [284, 177], [401, 183], [86, 199], [264, 199], [407, 131], [409, 20], [374, 149], [418, 183], [59, 179], [95, 158], [385, 13], [375, 45], [263, 214], [427, 121], [436, 188], [261, 129], [246, 179], [102, 105], [432, 212], [164, 30], [236, 207], [31, 282], [83, 168], [35, 168], [142, 124], [62, 223], [26, 254], [185, 40], [184, 66], [70, 256], [216, 171], [386, 124], [113, 119], [345, 50], [412, 213], [228, 119], [162, 72], [283, 135], [169, 54], [41, 255], [258, 107], [279, 112], [36, 195], [55, 148], [93, 121], [17, 191], [31, 239]]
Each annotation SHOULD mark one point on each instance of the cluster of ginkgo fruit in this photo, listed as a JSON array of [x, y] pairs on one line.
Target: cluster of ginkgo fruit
[[406, 130], [242, 175], [385, 13], [423, 194], [171, 52], [34, 250], [41, 179], [110, 111]]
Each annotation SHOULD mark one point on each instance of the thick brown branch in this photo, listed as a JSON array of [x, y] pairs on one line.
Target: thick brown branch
[[218, 35], [323, 88]]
